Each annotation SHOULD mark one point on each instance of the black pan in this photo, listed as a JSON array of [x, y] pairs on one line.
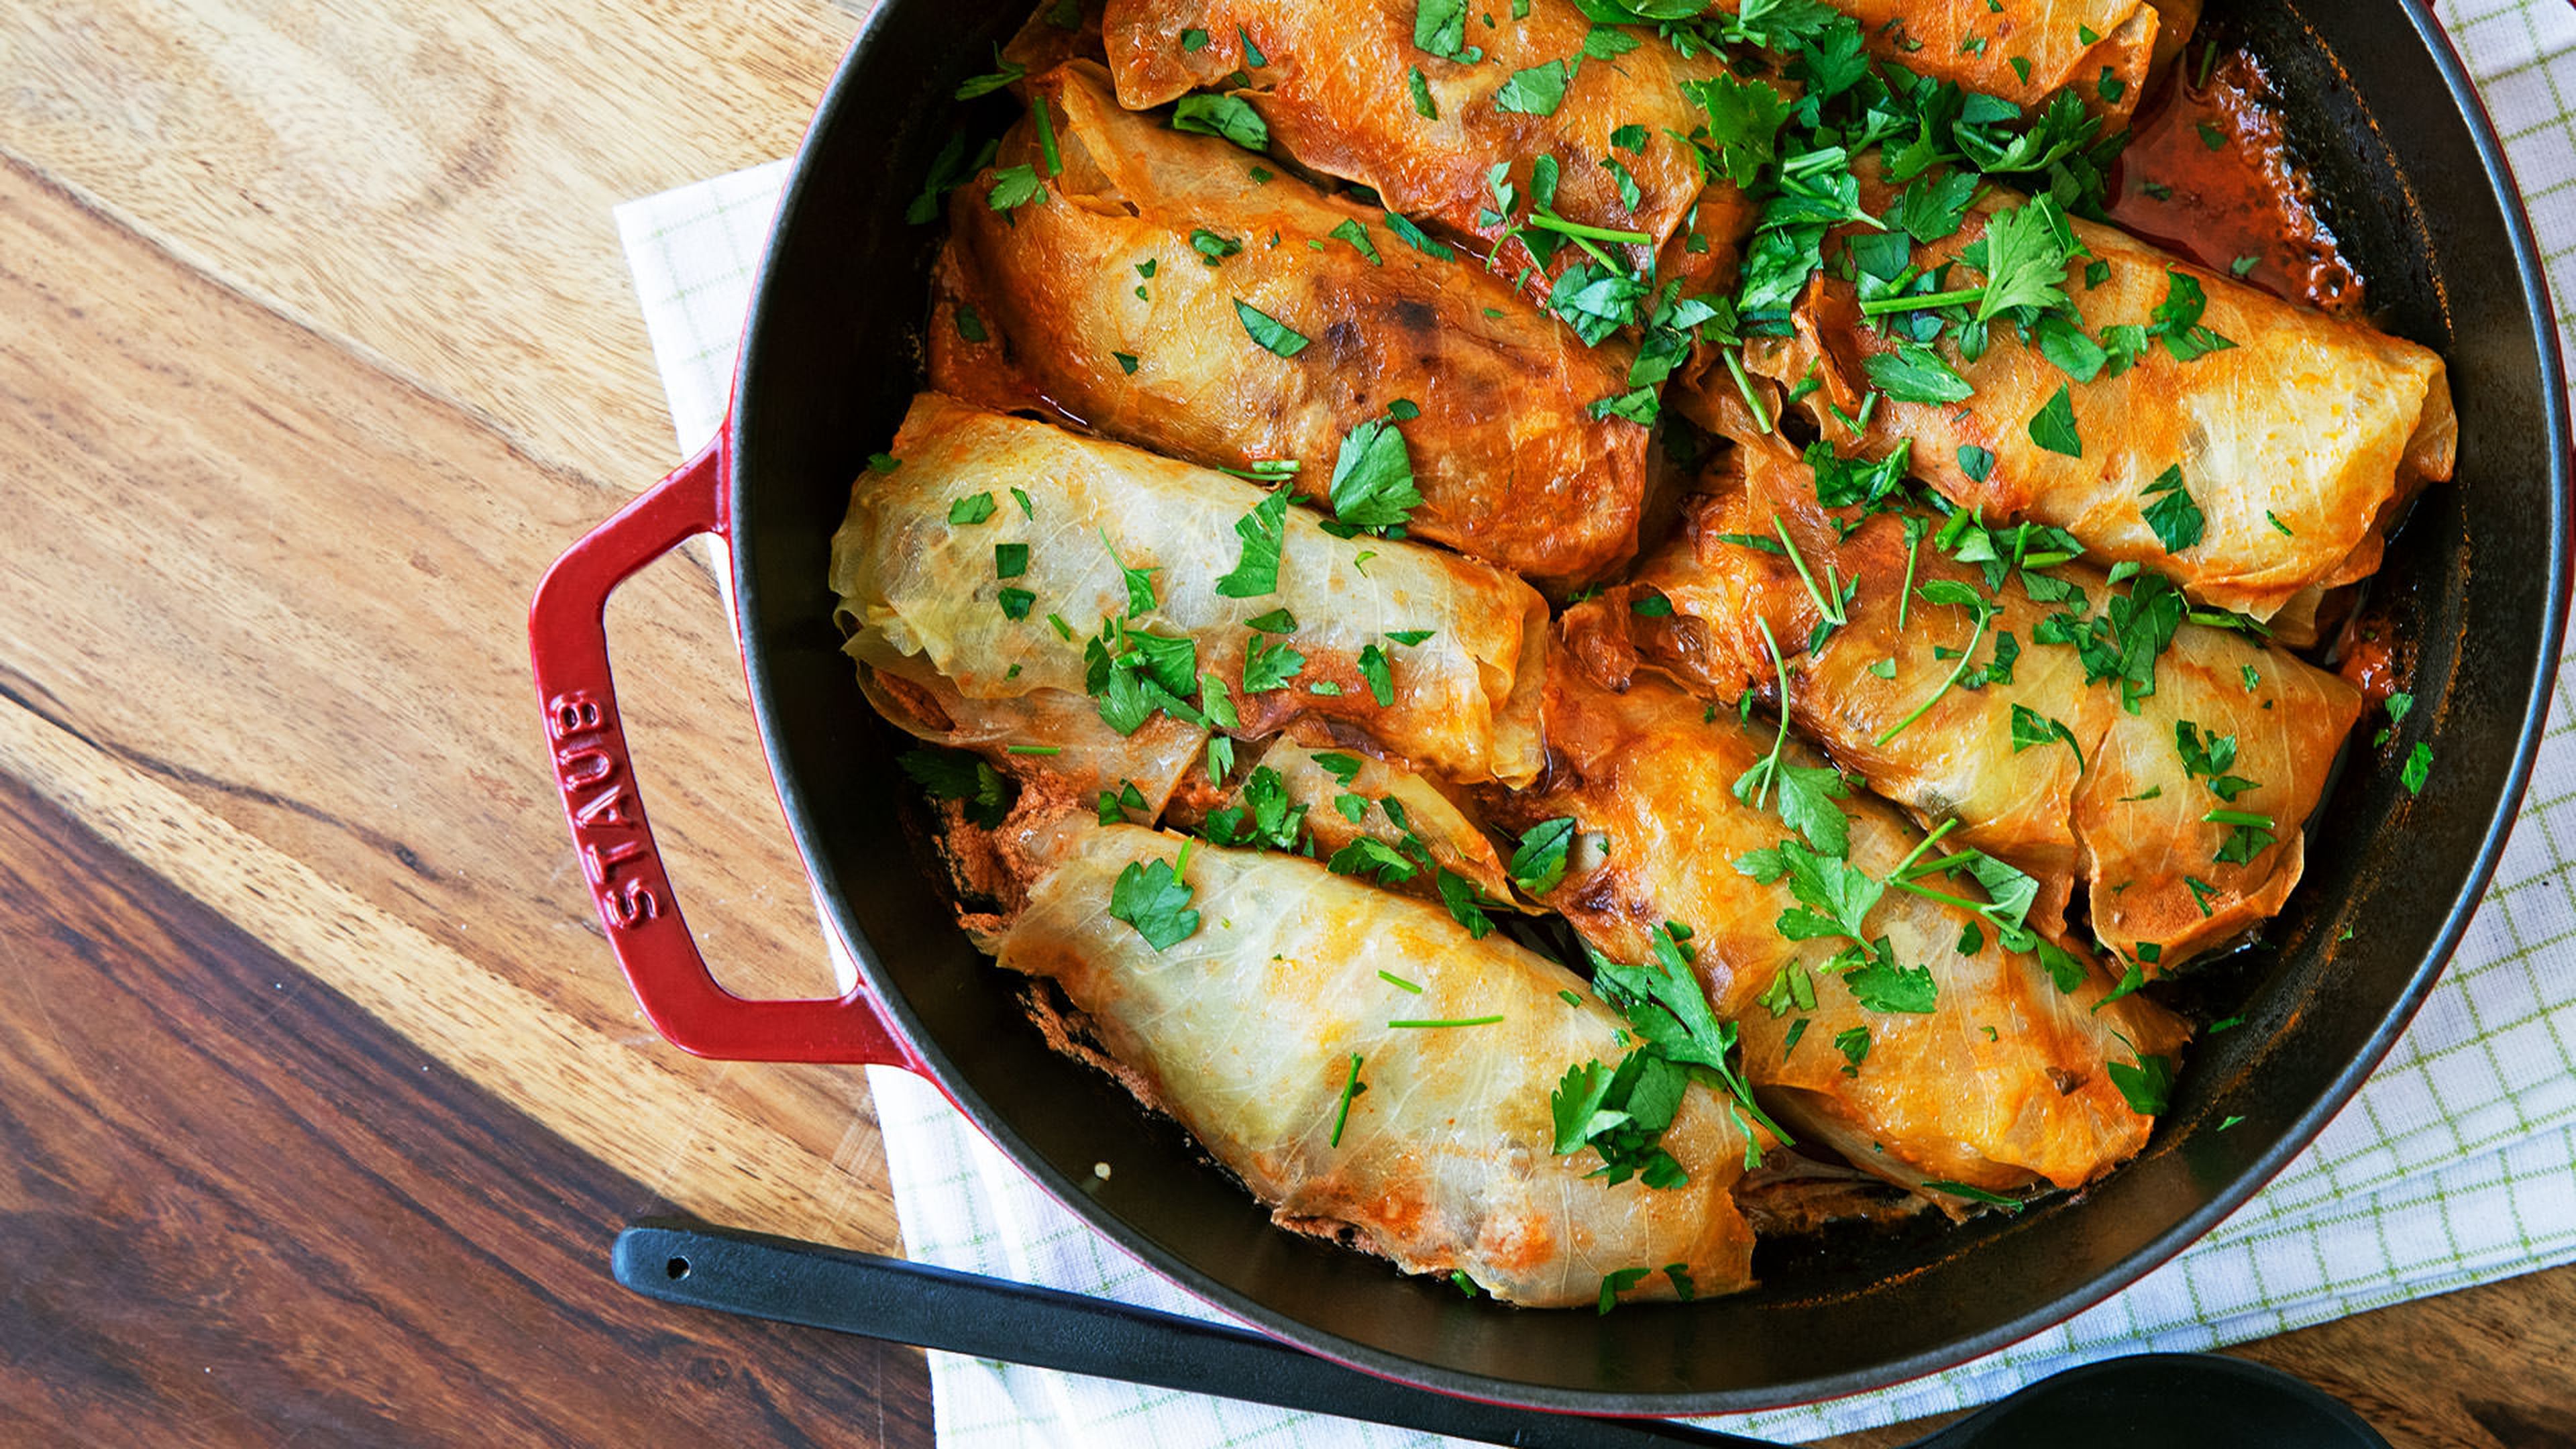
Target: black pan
[[2416, 185]]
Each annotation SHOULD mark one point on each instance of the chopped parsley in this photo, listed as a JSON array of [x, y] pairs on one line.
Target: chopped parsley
[[1352, 230], [1273, 335], [1372, 485], [1913, 374], [1537, 91], [1352, 1086], [2147, 1084], [1152, 897], [2177, 520], [943, 775], [2030, 727], [2417, 769], [1229, 116], [1015, 186], [2053, 426], [1538, 864], [1256, 568]]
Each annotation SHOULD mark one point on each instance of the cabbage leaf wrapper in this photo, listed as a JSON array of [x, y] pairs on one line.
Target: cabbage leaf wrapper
[[1245, 1030], [1112, 301], [2299, 445], [1120, 553], [1335, 86], [1994, 1074], [2128, 819]]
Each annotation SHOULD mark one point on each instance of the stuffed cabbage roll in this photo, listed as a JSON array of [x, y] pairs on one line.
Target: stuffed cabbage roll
[[1257, 1015], [1941, 1058], [2299, 438], [2027, 51], [1336, 84], [1005, 557], [1509, 465], [2094, 738]]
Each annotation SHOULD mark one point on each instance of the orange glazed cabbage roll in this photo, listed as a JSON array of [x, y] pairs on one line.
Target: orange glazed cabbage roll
[[1335, 84], [2026, 51], [1508, 464], [2094, 737], [1940, 1059], [1244, 994], [2298, 438], [1001, 558]]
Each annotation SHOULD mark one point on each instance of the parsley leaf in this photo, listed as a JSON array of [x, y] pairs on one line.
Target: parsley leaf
[[1380, 675], [1268, 666], [1744, 120], [1834, 898], [2418, 768], [1916, 375], [2177, 520], [1537, 91], [985, 85], [1014, 186], [2027, 249], [1256, 569], [1538, 865], [1932, 210], [1355, 232], [2030, 727], [1596, 300], [2053, 426], [1154, 899], [947, 776], [1884, 986], [1440, 26], [1269, 331], [2148, 1084], [2178, 320], [1415, 237], [1372, 483], [1229, 116]]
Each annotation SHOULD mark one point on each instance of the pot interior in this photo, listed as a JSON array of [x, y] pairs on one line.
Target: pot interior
[[832, 356]]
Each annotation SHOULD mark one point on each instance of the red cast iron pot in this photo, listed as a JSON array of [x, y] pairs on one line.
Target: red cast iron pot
[[2396, 136]]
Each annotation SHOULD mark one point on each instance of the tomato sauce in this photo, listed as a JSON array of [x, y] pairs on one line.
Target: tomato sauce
[[2209, 174]]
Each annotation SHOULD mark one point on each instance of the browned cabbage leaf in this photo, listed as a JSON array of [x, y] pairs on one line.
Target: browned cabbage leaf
[[1335, 87], [2128, 824], [2004, 1084], [1510, 466], [2300, 444]]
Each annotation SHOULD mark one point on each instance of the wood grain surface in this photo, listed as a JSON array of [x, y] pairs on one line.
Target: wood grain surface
[[316, 345]]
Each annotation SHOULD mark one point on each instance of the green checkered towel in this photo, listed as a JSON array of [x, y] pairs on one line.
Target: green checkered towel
[[2455, 1165]]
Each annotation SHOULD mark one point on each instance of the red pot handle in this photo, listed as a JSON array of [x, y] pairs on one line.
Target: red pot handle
[[568, 641]]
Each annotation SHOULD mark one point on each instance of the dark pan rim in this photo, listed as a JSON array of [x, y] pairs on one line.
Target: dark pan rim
[[803, 819]]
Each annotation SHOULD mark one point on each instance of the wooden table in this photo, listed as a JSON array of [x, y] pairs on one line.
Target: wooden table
[[316, 344]]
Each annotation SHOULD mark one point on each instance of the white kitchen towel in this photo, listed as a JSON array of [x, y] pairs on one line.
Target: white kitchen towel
[[2455, 1165]]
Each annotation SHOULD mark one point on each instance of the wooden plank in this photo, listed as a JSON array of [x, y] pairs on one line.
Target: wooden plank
[[430, 183], [261, 616], [243, 1212]]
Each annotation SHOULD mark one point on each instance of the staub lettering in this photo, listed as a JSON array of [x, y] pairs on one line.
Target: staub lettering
[[607, 819]]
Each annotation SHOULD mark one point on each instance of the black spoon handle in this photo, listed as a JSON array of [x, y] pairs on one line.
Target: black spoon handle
[[888, 1298]]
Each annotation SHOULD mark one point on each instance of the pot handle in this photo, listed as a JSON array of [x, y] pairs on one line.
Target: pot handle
[[568, 643]]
